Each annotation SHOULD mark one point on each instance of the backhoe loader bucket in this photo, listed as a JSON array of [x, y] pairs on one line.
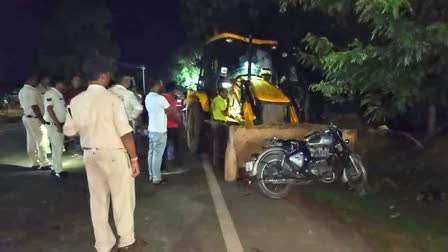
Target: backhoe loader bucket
[[245, 141]]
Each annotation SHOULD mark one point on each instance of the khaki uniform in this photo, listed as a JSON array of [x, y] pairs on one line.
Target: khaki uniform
[[132, 105], [28, 97], [45, 138], [99, 118], [54, 98]]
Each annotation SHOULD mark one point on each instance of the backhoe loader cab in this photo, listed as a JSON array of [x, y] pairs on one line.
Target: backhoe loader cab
[[247, 68]]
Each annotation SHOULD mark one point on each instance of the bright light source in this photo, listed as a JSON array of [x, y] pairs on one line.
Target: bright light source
[[274, 47], [284, 55], [254, 67], [229, 40], [224, 71], [226, 85]]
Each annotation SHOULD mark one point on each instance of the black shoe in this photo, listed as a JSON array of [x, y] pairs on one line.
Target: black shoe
[[161, 182], [53, 173], [61, 175], [35, 167], [44, 168]]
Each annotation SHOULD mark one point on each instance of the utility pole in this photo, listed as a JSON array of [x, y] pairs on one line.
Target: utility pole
[[143, 68]]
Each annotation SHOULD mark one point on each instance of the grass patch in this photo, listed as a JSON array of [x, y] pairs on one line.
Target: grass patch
[[419, 226], [390, 215]]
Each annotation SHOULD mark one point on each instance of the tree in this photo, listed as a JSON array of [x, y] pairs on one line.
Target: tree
[[186, 70], [402, 63], [204, 18], [77, 30]]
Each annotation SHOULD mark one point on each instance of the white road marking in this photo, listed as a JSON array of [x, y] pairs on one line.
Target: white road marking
[[231, 239]]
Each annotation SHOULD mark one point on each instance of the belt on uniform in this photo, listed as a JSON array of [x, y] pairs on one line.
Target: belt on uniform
[[92, 148], [30, 116], [51, 123]]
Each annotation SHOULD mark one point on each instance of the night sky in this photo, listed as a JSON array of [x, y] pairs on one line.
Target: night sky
[[147, 33]]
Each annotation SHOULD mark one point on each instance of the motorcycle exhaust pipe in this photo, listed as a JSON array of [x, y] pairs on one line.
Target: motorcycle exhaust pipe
[[286, 181]]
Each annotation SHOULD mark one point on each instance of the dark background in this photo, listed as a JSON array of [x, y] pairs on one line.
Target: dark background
[[146, 33]]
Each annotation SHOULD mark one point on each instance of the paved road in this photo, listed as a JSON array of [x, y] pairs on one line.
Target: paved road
[[192, 213]]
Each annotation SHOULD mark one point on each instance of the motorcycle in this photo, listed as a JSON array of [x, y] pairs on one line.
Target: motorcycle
[[323, 156]]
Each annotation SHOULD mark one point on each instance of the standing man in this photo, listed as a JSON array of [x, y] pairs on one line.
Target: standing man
[[44, 85], [76, 88], [33, 108], [132, 105], [54, 119], [172, 125], [111, 161], [42, 88], [158, 109]]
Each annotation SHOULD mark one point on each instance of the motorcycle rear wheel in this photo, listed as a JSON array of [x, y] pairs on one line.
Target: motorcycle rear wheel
[[268, 166]]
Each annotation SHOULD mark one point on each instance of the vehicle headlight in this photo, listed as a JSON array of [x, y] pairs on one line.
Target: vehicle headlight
[[226, 85]]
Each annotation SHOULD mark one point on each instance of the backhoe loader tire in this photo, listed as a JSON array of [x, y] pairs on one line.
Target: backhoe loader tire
[[194, 122]]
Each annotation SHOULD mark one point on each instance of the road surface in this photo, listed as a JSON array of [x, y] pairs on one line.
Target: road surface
[[195, 212]]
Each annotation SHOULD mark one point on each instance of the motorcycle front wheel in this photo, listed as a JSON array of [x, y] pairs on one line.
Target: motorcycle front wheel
[[356, 174], [269, 175]]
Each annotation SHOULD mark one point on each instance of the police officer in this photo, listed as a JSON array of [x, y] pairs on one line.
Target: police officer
[[132, 105], [99, 118], [54, 119], [42, 88], [33, 108]]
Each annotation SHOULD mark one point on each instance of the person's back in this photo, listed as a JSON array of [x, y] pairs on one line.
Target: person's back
[[110, 158], [172, 122], [94, 127], [29, 94], [157, 119], [131, 103], [158, 108]]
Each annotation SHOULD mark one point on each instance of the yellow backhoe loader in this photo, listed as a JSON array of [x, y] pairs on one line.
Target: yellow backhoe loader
[[248, 68]]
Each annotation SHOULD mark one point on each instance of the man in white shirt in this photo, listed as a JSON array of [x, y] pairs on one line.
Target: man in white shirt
[[132, 105], [33, 108], [42, 88], [158, 108], [54, 119], [111, 161]]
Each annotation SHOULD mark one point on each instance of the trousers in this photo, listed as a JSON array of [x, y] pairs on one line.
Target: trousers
[[57, 147], [171, 147], [109, 178], [157, 144], [35, 145], [46, 139]]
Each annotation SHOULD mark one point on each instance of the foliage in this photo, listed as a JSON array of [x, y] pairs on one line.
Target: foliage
[[77, 30], [402, 63], [204, 18], [186, 72]]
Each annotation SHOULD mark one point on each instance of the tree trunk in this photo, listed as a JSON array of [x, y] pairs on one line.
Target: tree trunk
[[431, 120]]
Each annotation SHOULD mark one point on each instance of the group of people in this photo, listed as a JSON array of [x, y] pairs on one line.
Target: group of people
[[104, 120], [44, 104]]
